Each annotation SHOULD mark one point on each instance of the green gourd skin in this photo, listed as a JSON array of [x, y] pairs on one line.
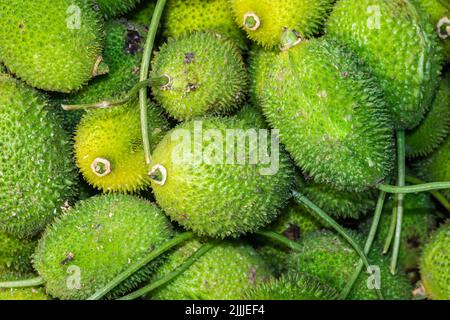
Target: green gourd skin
[[38, 176], [306, 17], [419, 220], [123, 53], [143, 13], [437, 11], [207, 74], [201, 15], [433, 130], [113, 8], [310, 93], [293, 286], [58, 54], [15, 254], [20, 294], [115, 135], [98, 239], [220, 200], [399, 44], [225, 272], [435, 265], [329, 258]]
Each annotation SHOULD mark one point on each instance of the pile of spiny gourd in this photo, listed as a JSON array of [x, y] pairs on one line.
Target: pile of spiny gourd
[[94, 203]]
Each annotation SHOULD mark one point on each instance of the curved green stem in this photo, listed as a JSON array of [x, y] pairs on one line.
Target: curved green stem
[[172, 275], [159, 81], [145, 66], [391, 232], [33, 282], [416, 188], [280, 239], [302, 200], [401, 155], [141, 263], [370, 238], [436, 194]]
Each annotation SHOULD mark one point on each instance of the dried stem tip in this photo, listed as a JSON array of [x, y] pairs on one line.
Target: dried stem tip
[[443, 28], [101, 167], [289, 38], [158, 174], [251, 21]]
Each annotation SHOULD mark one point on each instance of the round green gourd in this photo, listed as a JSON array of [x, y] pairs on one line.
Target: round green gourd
[[435, 265], [52, 45], [329, 258], [418, 220], [123, 53], [207, 75], [37, 174], [215, 198], [293, 286], [398, 43], [265, 20], [15, 254], [11, 294], [329, 111], [109, 150], [433, 130], [201, 15], [96, 240], [225, 272], [114, 8]]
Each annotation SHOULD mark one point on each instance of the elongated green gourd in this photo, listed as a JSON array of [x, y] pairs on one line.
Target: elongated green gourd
[[15, 254]]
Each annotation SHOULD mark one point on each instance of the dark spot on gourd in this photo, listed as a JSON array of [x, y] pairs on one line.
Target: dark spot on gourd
[[189, 58], [133, 42], [70, 256], [413, 242], [292, 232], [191, 87], [252, 275]]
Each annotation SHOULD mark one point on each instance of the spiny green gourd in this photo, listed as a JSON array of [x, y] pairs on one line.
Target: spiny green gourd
[[123, 54], [108, 147], [293, 286], [338, 203], [209, 180], [265, 20], [418, 221], [9, 294], [114, 8], [95, 241], [329, 111], [225, 272], [437, 166], [60, 53], [37, 174], [202, 15], [439, 12], [398, 43], [433, 130], [329, 258], [207, 75], [15, 254], [435, 265]]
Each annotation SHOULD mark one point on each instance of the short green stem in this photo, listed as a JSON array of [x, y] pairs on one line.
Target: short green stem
[[33, 282], [172, 275], [391, 231], [431, 186], [141, 263], [280, 239]]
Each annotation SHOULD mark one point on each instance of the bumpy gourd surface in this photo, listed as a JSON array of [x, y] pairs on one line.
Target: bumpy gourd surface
[[223, 273], [418, 220], [395, 38], [32, 293], [115, 135], [215, 198], [433, 130], [330, 113], [122, 54], [306, 17], [331, 259], [338, 203], [293, 286], [52, 45], [97, 239], [15, 254], [201, 15], [37, 176], [143, 13], [435, 265], [208, 75], [113, 8]]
